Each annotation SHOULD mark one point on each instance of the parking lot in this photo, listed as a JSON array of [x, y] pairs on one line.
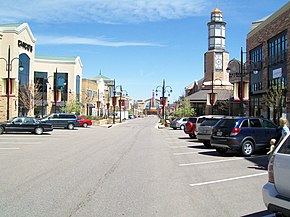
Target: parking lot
[[234, 180], [101, 170]]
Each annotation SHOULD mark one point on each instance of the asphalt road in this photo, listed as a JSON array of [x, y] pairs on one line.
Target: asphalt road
[[131, 169]]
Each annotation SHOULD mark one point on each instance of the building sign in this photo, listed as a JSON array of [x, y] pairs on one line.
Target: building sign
[[24, 45], [277, 73]]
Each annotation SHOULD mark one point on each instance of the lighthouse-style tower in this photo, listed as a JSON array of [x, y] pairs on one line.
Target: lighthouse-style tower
[[216, 58]]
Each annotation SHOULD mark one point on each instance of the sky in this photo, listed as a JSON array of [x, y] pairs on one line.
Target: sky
[[139, 43]]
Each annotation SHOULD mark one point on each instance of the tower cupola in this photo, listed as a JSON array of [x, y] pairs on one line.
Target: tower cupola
[[216, 31]]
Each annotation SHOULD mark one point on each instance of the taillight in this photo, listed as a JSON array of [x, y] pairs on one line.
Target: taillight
[[235, 131], [271, 170]]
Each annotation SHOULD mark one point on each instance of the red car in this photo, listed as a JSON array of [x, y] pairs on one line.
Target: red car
[[190, 127], [84, 122]]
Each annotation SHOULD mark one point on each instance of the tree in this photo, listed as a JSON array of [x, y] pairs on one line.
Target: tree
[[28, 94], [73, 106], [274, 100], [185, 109]]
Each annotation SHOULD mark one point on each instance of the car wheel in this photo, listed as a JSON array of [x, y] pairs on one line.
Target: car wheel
[[1, 130], [207, 144], [38, 130], [221, 150], [85, 125], [247, 148], [70, 126], [182, 127], [192, 136]]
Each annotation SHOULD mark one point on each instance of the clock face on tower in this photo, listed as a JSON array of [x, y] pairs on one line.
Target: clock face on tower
[[218, 61]]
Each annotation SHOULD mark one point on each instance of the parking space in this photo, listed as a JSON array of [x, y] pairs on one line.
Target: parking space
[[230, 177]]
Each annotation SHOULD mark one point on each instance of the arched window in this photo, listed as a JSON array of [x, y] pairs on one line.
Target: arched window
[[23, 76]]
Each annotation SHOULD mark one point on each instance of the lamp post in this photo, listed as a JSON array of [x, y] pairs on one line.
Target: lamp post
[[9, 62], [44, 82], [124, 102], [241, 72], [114, 100], [165, 89], [56, 87], [210, 86]]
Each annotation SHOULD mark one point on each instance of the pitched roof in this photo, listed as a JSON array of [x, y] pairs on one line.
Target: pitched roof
[[99, 76], [201, 96], [17, 27]]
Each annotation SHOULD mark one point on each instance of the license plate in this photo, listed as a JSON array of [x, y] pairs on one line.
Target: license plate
[[219, 133]]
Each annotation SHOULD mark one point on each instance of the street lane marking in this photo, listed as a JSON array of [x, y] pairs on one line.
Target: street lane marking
[[9, 148], [217, 161], [209, 162], [184, 153], [178, 146], [229, 179]]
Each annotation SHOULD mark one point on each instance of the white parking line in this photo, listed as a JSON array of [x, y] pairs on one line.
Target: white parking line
[[229, 179], [185, 153], [209, 162], [9, 148], [178, 146]]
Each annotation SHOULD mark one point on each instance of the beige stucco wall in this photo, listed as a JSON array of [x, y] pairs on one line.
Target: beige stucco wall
[[72, 68], [10, 36]]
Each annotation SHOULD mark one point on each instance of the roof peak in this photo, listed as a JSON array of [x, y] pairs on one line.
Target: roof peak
[[216, 11]]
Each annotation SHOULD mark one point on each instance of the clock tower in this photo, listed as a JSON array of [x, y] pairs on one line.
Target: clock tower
[[216, 58]]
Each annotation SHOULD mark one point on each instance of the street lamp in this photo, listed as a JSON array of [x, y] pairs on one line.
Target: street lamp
[[55, 88], [114, 99], [212, 94], [8, 69], [44, 82], [255, 70], [164, 89], [124, 102]]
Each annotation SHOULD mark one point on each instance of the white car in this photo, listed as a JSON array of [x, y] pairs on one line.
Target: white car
[[276, 193]]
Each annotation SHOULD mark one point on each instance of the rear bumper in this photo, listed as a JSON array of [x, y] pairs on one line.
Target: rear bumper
[[203, 137], [225, 142], [273, 201]]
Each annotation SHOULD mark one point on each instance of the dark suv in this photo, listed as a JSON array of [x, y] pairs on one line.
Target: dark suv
[[243, 134], [62, 120]]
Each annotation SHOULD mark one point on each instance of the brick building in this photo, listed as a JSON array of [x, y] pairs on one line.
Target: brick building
[[268, 64]]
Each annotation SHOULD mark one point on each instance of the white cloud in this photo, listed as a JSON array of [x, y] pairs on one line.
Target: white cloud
[[71, 40], [101, 11]]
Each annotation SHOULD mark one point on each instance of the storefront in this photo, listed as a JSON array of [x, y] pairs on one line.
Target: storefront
[[23, 91]]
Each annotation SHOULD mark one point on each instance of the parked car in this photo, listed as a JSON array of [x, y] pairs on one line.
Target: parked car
[[84, 122], [276, 193], [178, 123], [192, 125], [243, 134], [62, 120], [205, 130], [25, 124]]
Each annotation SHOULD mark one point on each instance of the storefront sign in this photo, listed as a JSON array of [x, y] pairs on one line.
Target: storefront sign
[[24, 45]]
